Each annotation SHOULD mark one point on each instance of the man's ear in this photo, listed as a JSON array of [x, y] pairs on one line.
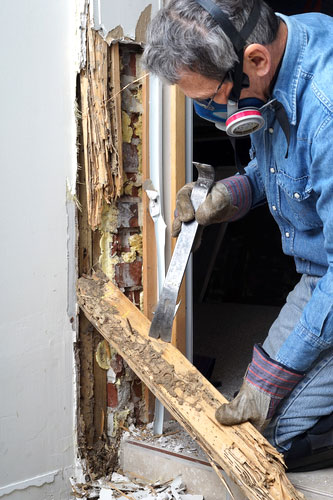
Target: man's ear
[[257, 60]]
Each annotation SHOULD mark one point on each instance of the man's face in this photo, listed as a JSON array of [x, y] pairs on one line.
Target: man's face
[[197, 86]]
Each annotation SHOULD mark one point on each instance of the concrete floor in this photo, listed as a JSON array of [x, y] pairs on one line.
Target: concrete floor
[[227, 332], [154, 462]]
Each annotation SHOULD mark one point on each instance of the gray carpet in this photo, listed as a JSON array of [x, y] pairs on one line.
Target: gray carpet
[[227, 332]]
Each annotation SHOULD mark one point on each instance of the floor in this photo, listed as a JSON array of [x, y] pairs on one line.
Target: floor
[[227, 332], [166, 457]]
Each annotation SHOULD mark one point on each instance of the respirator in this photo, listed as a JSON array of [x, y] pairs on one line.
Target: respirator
[[237, 119]]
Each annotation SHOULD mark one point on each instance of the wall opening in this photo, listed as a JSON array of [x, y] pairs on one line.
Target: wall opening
[[109, 93]]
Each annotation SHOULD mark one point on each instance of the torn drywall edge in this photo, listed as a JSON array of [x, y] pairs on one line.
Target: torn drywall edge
[[81, 15], [37, 481], [72, 264], [126, 29]]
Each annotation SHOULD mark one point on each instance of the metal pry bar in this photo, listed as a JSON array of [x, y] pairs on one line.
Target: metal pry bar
[[161, 326]]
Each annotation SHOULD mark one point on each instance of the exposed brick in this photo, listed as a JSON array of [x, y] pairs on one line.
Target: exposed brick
[[129, 274], [112, 395], [117, 364], [134, 296], [134, 119], [127, 214], [130, 157], [121, 241], [133, 63], [128, 59], [116, 245], [137, 388]]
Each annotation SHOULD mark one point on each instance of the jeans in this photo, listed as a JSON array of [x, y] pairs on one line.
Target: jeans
[[312, 398]]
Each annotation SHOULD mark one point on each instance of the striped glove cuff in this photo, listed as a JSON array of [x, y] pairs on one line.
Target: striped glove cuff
[[240, 192], [271, 377]]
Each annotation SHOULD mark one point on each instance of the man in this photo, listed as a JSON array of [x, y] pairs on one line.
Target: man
[[227, 54]]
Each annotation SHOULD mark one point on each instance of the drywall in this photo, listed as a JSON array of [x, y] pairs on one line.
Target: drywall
[[109, 17], [38, 166]]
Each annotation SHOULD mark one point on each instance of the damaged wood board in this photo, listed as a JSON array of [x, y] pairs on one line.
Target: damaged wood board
[[244, 454], [101, 125]]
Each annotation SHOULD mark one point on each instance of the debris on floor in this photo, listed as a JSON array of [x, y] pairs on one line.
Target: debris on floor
[[121, 487], [174, 438]]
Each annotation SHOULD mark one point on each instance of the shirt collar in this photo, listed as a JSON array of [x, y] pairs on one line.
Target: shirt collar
[[285, 88]]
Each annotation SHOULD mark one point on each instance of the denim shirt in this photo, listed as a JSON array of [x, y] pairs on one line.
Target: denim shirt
[[299, 188]]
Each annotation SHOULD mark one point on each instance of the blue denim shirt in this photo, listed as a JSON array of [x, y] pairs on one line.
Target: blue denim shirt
[[299, 188]]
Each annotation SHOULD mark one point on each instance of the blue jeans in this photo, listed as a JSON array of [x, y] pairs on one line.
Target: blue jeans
[[312, 398]]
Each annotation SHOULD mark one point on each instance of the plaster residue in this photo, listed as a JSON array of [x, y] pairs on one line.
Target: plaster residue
[[108, 228], [136, 243], [131, 182], [135, 248], [108, 262], [138, 133], [126, 126], [109, 221], [132, 94]]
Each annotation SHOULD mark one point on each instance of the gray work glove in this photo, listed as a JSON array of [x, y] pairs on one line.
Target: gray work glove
[[266, 383], [217, 207]]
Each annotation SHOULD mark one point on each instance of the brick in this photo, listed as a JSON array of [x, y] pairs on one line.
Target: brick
[[127, 214], [128, 274], [116, 248], [117, 365], [132, 63], [112, 395], [128, 59], [130, 157], [121, 241], [137, 388], [134, 296]]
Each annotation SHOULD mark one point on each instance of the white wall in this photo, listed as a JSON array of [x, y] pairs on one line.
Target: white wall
[[125, 13], [37, 156]]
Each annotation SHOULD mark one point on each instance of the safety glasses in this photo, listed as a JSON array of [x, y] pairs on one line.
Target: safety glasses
[[207, 103]]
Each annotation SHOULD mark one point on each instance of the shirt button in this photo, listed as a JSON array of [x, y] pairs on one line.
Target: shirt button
[[297, 196], [272, 170], [287, 234], [274, 207], [271, 130]]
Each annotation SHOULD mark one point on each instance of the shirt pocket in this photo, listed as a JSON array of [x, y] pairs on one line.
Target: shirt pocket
[[298, 201]]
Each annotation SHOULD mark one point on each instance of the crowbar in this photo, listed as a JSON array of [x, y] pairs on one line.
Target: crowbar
[[161, 325]]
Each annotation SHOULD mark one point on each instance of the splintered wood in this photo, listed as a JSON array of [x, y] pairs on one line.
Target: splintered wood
[[241, 451], [101, 125]]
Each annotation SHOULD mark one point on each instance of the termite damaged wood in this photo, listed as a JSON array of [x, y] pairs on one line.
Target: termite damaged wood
[[244, 454]]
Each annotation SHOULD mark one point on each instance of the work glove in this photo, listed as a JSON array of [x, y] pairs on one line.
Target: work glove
[[266, 383], [217, 207]]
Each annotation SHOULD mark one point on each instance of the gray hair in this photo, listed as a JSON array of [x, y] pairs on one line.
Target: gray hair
[[184, 36]]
